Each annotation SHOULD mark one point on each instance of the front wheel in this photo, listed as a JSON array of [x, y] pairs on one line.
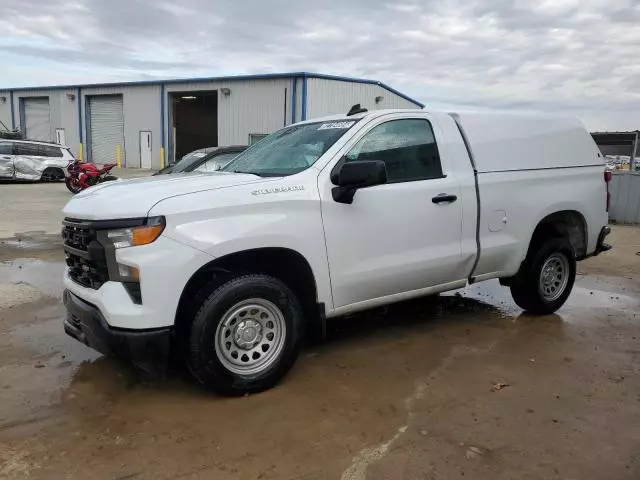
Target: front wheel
[[246, 335], [72, 185], [546, 277]]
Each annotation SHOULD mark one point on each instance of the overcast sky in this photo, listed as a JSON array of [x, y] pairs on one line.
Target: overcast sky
[[574, 56]]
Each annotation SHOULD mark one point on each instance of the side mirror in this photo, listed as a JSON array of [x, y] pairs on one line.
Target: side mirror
[[351, 176]]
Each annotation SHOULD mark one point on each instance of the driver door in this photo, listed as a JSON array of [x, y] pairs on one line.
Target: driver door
[[396, 237], [7, 169]]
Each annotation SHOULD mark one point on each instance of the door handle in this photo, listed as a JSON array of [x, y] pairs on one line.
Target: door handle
[[444, 198], [6, 158]]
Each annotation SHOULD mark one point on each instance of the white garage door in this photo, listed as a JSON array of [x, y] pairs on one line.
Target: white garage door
[[37, 119], [106, 123]]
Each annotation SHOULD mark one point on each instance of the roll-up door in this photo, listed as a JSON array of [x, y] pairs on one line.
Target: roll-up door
[[37, 118], [106, 125]]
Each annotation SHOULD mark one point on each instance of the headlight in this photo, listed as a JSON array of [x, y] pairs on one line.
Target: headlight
[[136, 236]]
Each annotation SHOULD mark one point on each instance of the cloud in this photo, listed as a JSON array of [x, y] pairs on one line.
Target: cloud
[[574, 56]]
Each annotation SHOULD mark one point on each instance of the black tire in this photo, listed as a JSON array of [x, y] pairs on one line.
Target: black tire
[[71, 187], [109, 178], [52, 174], [202, 352], [527, 290]]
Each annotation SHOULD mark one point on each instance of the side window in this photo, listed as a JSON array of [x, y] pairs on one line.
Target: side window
[[407, 147], [256, 137], [222, 160], [27, 149], [5, 148], [49, 151]]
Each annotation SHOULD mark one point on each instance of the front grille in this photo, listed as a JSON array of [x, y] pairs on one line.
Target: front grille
[[88, 273], [84, 255], [76, 236]]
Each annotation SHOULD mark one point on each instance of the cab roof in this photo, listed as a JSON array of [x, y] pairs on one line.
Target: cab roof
[[358, 116]]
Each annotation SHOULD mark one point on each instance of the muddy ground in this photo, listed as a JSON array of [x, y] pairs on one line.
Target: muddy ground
[[450, 387]]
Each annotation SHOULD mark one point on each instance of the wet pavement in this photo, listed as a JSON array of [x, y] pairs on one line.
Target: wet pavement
[[462, 385]]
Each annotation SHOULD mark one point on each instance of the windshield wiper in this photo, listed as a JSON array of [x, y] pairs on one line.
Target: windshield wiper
[[246, 172]]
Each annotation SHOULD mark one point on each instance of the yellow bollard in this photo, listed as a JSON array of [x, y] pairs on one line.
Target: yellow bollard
[[81, 153], [161, 157], [119, 156]]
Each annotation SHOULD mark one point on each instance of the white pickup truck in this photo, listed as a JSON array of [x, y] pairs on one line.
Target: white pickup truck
[[324, 218]]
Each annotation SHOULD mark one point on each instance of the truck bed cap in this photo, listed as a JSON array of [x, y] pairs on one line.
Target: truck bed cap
[[503, 141]]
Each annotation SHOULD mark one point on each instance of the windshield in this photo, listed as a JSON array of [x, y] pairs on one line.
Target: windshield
[[290, 150], [215, 163], [188, 160]]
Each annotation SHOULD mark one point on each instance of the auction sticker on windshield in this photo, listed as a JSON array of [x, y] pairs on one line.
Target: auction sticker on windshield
[[336, 125]]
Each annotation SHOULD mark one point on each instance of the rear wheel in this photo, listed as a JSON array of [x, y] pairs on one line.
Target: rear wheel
[[546, 277], [52, 174], [245, 336]]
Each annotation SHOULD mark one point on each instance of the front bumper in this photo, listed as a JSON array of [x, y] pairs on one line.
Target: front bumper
[[147, 349], [165, 268]]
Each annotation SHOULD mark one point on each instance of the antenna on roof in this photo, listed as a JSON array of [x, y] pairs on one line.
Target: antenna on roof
[[356, 109]]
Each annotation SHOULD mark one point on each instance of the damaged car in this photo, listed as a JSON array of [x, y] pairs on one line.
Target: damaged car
[[32, 160]]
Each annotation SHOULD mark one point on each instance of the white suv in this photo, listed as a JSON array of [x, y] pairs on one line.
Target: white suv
[[31, 160]]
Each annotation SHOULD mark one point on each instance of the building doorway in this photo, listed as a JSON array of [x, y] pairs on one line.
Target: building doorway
[[194, 122]]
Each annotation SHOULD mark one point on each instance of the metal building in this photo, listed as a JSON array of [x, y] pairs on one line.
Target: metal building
[[144, 124]]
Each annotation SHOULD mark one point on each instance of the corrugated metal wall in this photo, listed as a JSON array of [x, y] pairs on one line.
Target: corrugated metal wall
[[625, 197], [37, 118], [63, 112], [297, 88], [253, 106], [141, 106], [329, 97], [106, 129], [5, 108]]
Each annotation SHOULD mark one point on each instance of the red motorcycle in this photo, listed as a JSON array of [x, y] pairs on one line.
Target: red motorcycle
[[84, 175]]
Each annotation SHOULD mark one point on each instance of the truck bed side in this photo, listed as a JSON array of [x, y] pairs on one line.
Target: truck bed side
[[527, 168]]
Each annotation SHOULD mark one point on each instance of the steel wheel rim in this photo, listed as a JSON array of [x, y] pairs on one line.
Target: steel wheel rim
[[554, 277], [250, 336]]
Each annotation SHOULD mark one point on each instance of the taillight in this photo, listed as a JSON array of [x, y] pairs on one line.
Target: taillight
[[607, 179]]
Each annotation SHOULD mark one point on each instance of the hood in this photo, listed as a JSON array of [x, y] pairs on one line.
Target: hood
[[134, 198]]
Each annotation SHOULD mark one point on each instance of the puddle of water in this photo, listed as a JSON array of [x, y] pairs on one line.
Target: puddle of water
[[38, 240], [596, 291], [492, 295], [45, 276], [47, 339], [589, 292], [38, 362]]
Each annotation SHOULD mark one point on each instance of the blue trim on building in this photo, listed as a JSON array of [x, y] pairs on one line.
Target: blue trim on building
[[13, 118], [23, 123], [162, 100], [269, 76], [79, 100], [170, 152], [87, 123], [304, 97], [294, 100]]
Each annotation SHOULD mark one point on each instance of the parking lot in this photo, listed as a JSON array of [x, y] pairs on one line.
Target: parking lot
[[462, 385]]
